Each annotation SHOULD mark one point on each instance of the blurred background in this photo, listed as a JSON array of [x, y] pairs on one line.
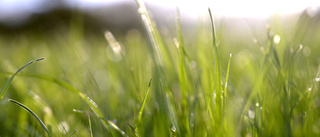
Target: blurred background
[[119, 16]]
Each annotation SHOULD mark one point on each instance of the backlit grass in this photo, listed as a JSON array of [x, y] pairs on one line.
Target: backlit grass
[[146, 83]]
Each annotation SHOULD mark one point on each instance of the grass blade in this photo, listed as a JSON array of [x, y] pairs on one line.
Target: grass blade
[[182, 73], [142, 106], [72, 133], [132, 128], [90, 127], [227, 77], [31, 112], [217, 64], [144, 101], [150, 32], [7, 84], [94, 107]]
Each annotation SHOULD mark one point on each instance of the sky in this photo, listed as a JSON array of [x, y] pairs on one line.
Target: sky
[[21, 9], [242, 8]]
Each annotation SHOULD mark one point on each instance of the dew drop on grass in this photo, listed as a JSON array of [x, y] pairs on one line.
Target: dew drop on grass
[[276, 39], [114, 50], [317, 79], [300, 46], [257, 104], [113, 42], [251, 114], [173, 129]]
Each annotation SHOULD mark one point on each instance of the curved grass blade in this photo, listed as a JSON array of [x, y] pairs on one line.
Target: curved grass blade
[[132, 128], [225, 90], [142, 106], [31, 112], [227, 77], [90, 127], [182, 73], [150, 32], [218, 112], [144, 102], [7, 84], [93, 106], [72, 133]]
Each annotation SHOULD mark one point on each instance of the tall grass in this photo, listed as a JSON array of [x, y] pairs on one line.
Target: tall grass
[[269, 87]]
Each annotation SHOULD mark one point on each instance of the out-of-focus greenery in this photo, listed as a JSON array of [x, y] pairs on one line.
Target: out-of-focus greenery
[[272, 87]]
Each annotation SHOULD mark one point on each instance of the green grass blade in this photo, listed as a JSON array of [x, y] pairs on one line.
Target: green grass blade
[[132, 128], [150, 31], [90, 127], [144, 102], [72, 133], [217, 73], [227, 77], [94, 107], [31, 112], [142, 106], [182, 73], [7, 84]]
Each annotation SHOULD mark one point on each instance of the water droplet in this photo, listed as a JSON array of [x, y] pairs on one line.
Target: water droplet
[[300, 47], [276, 39], [309, 89], [251, 114], [316, 79], [114, 46], [257, 104], [173, 129]]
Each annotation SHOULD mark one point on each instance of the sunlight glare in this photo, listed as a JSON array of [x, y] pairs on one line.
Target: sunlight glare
[[236, 8]]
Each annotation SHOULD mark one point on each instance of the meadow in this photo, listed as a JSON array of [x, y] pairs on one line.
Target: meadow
[[146, 83]]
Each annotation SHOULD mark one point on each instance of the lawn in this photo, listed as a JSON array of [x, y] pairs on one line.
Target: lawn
[[147, 83]]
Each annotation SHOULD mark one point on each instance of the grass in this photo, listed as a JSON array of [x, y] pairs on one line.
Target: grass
[[32, 113], [264, 88]]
